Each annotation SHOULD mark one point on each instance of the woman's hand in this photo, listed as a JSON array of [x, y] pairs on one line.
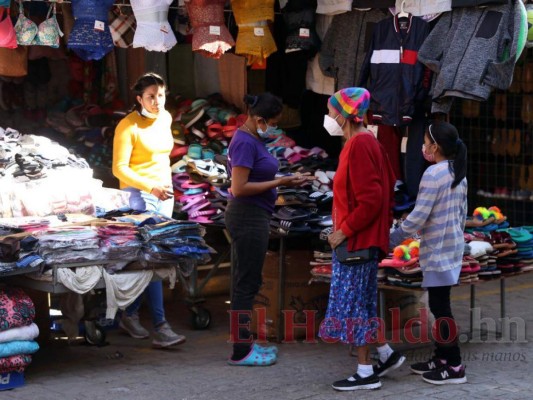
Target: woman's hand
[[163, 192], [336, 238], [296, 179]]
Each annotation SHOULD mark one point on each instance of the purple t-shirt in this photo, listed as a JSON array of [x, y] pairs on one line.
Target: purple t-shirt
[[247, 151]]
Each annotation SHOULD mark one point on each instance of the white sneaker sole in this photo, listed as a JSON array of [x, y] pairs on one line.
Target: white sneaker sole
[[454, 381], [371, 386]]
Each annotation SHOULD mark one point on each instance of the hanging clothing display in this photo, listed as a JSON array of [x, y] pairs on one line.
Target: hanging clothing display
[[91, 38], [210, 35], [391, 71], [122, 27], [299, 17], [254, 40], [46, 34], [315, 79], [342, 59], [462, 38], [8, 37], [332, 7], [424, 7], [153, 30]]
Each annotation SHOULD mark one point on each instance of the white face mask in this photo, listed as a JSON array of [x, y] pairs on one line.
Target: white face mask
[[148, 114], [331, 125]]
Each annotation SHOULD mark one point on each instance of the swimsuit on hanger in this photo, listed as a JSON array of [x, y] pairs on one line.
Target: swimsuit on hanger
[[254, 40], [46, 34], [153, 30], [8, 38], [91, 38], [210, 35]]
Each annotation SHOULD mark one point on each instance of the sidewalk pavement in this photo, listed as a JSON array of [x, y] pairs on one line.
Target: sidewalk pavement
[[129, 369]]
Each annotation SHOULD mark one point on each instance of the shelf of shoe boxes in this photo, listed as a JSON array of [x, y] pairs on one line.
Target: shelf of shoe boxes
[[300, 296], [499, 137]]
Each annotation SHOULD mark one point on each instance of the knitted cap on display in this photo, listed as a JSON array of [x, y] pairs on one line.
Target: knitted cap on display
[[351, 103]]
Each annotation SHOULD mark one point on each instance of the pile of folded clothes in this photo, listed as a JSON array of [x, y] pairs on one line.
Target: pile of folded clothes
[[171, 240], [119, 241], [17, 330], [17, 253], [69, 244]]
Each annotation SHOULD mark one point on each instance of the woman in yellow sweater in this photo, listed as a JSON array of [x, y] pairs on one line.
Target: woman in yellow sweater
[[141, 149]]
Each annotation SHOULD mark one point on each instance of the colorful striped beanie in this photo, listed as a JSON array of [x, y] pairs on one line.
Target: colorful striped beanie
[[351, 103]]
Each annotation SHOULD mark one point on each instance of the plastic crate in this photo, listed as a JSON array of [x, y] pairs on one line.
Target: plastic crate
[[11, 380]]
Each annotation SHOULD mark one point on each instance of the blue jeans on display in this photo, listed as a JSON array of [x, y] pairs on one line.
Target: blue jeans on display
[[142, 201], [249, 228]]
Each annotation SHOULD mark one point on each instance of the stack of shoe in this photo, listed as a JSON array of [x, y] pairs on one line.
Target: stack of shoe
[[469, 270], [323, 257], [486, 220], [402, 267], [479, 248], [321, 266]]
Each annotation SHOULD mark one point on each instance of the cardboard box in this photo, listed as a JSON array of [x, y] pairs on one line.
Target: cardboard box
[[11, 380], [303, 302]]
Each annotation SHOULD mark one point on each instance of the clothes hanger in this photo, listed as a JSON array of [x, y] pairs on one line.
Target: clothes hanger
[[402, 13]]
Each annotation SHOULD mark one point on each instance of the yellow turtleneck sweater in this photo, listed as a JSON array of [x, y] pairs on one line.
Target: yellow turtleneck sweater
[[141, 150]]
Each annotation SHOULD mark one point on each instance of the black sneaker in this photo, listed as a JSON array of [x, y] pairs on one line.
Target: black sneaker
[[427, 366], [394, 361], [357, 383], [445, 375]]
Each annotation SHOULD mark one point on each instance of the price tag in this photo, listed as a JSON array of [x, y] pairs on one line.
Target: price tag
[[304, 32], [403, 147], [259, 31], [163, 29], [214, 30], [99, 26], [373, 129]]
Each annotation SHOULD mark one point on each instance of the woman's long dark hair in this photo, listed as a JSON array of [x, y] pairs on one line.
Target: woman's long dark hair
[[445, 135], [264, 105], [144, 81]]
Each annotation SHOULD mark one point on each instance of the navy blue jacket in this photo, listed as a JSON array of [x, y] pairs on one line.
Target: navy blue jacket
[[391, 71]]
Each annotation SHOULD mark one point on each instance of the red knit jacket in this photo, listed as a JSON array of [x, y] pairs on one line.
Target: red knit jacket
[[363, 193]]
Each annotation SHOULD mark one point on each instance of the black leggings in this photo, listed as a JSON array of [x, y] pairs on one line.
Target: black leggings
[[249, 228], [446, 348]]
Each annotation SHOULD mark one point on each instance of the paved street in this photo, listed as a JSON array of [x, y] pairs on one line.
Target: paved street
[[130, 369]]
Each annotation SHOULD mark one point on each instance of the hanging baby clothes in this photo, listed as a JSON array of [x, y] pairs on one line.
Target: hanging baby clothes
[[210, 35], [254, 40], [153, 30], [46, 34], [8, 38], [91, 38]]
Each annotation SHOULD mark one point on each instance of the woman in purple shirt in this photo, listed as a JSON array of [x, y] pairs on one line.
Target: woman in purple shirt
[[251, 203]]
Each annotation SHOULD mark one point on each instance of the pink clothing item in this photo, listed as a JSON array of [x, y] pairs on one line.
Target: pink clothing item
[[8, 37], [210, 35], [16, 308]]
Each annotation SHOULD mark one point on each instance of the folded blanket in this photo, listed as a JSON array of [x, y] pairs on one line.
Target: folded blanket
[[29, 332], [15, 363], [18, 347]]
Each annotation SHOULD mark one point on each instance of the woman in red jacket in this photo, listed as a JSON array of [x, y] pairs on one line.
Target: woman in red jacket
[[363, 191]]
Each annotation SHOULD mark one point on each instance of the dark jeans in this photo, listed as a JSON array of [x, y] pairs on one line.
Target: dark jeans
[[439, 305], [249, 228]]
